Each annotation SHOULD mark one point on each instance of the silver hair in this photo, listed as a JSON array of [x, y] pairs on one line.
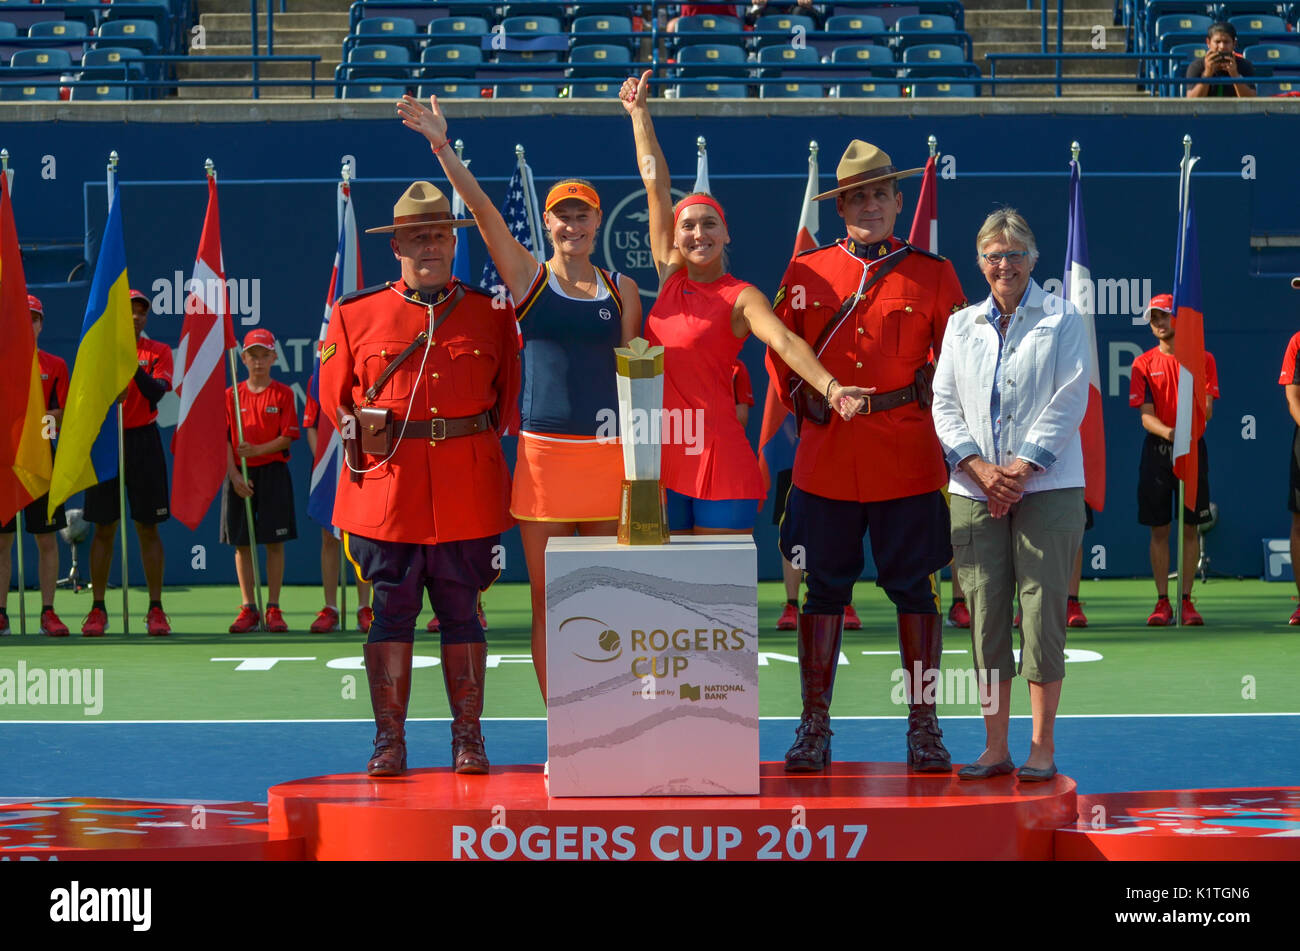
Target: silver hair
[[1010, 225]]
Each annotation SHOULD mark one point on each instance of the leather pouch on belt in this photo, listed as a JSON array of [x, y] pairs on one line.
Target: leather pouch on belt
[[809, 406], [376, 429], [924, 382]]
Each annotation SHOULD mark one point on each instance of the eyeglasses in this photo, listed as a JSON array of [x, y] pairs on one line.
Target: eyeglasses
[[1011, 257]]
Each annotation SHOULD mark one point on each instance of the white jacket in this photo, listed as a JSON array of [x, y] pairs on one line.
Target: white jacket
[[1046, 366]]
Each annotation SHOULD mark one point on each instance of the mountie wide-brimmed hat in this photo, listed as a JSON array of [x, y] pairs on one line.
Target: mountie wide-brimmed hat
[[420, 205], [861, 164]]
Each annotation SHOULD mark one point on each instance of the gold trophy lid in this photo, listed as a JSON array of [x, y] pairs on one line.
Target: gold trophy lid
[[638, 360]]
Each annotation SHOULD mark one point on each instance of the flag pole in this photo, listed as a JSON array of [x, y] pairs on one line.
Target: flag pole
[[933, 143], [6, 170], [934, 147], [1182, 486], [211, 170], [346, 174], [110, 180], [18, 536]]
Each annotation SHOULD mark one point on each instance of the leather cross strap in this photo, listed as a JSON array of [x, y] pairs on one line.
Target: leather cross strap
[[377, 387], [440, 427]]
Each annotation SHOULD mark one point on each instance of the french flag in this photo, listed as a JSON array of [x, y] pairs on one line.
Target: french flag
[[1189, 338], [345, 279], [1077, 289], [778, 437]]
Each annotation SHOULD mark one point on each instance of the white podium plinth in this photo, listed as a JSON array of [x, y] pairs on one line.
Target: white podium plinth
[[652, 667]]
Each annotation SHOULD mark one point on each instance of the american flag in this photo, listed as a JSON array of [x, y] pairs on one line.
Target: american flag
[[523, 216]]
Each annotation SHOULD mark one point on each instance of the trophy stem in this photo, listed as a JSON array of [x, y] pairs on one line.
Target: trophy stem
[[642, 513]]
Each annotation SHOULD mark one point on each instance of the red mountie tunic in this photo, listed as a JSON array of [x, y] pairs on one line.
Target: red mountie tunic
[[882, 343], [1154, 380], [692, 322], [428, 492], [266, 416], [1290, 369], [156, 360]]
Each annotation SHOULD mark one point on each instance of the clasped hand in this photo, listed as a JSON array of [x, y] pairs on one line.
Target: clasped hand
[[1004, 486]]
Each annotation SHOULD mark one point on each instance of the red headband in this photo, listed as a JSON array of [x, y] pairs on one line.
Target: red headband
[[699, 200]]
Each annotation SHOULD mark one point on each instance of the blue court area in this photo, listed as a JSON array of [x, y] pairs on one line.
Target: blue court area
[[238, 761]]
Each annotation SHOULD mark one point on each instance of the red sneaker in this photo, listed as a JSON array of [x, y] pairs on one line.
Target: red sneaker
[[51, 626], [95, 624], [1190, 616], [4, 622], [1074, 616], [959, 614], [434, 626], [1163, 615], [789, 620], [1295, 618], [482, 617], [275, 620], [248, 620], [156, 623], [365, 617], [1016, 622], [851, 620], [327, 620]]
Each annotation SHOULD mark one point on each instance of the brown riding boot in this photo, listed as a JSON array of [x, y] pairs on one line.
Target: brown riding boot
[[819, 655], [920, 638], [388, 667], [463, 668]]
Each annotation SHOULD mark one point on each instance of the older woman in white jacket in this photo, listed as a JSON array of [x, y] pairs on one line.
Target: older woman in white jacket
[[1010, 392]]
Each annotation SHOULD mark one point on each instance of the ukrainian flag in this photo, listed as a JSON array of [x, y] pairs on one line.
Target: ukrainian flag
[[106, 362]]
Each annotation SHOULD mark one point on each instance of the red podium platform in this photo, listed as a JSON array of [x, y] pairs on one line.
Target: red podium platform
[[91, 829], [854, 811], [1221, 825]]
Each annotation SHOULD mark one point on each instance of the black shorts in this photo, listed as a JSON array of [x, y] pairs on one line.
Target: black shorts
[[34, 520], [146, 482], [1158, 486], [783, 480], [273, 515], [1293, 493]]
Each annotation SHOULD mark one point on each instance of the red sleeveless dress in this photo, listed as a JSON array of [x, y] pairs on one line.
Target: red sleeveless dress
[[706, 455]]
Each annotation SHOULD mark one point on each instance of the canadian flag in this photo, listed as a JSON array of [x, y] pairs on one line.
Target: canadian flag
[[925, 223], [198, 470]]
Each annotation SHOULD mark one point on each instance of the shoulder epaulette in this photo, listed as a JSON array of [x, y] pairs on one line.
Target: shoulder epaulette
[[361, 292], [928, 254], [814, 250]]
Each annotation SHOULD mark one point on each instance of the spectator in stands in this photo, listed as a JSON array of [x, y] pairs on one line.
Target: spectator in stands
[[54, 383], [146, 482], [269, 427], [1220, 60], [1153, 391], [330, 548], [572, 314], [731, 10], [1010, 392], [1290, 378]]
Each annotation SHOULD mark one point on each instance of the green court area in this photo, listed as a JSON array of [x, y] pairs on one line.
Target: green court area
[[1245, 660]]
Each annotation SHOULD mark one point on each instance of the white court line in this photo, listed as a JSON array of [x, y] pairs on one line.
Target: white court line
[[1025, 716]]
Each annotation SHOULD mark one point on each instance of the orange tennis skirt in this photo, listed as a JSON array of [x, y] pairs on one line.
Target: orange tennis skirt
[[566, 479]]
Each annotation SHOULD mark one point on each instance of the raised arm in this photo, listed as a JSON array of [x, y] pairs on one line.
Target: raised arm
[[513, 261], [654, 173]]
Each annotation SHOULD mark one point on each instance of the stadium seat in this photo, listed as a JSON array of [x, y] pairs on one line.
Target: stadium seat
[[461, 28], [107, 63], [106, 92], [378, 61], [708, 29], [862, 56], [57, 30], [1185, 53], [90, 12], [712, 61], [1182, 23], [605, 62], [450, 60], [599, 25], [855, 23], [718, 88], [868, 90], [375, 90], [28, 93], [139, 34], [8, 30], [558, 11], [158, 13], [466, 89], [1277, 87], [527, 90], [945, 90], [530, 26], [783, 27], [791, 90], [600, 8], [936, 60], [1270, 54], [776, 61], [1250, 24], [929, 23], [55, 60], [378, 30], [600, 89]]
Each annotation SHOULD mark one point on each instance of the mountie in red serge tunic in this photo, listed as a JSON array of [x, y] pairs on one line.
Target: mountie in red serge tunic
[[429, 491], [882, 342]]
